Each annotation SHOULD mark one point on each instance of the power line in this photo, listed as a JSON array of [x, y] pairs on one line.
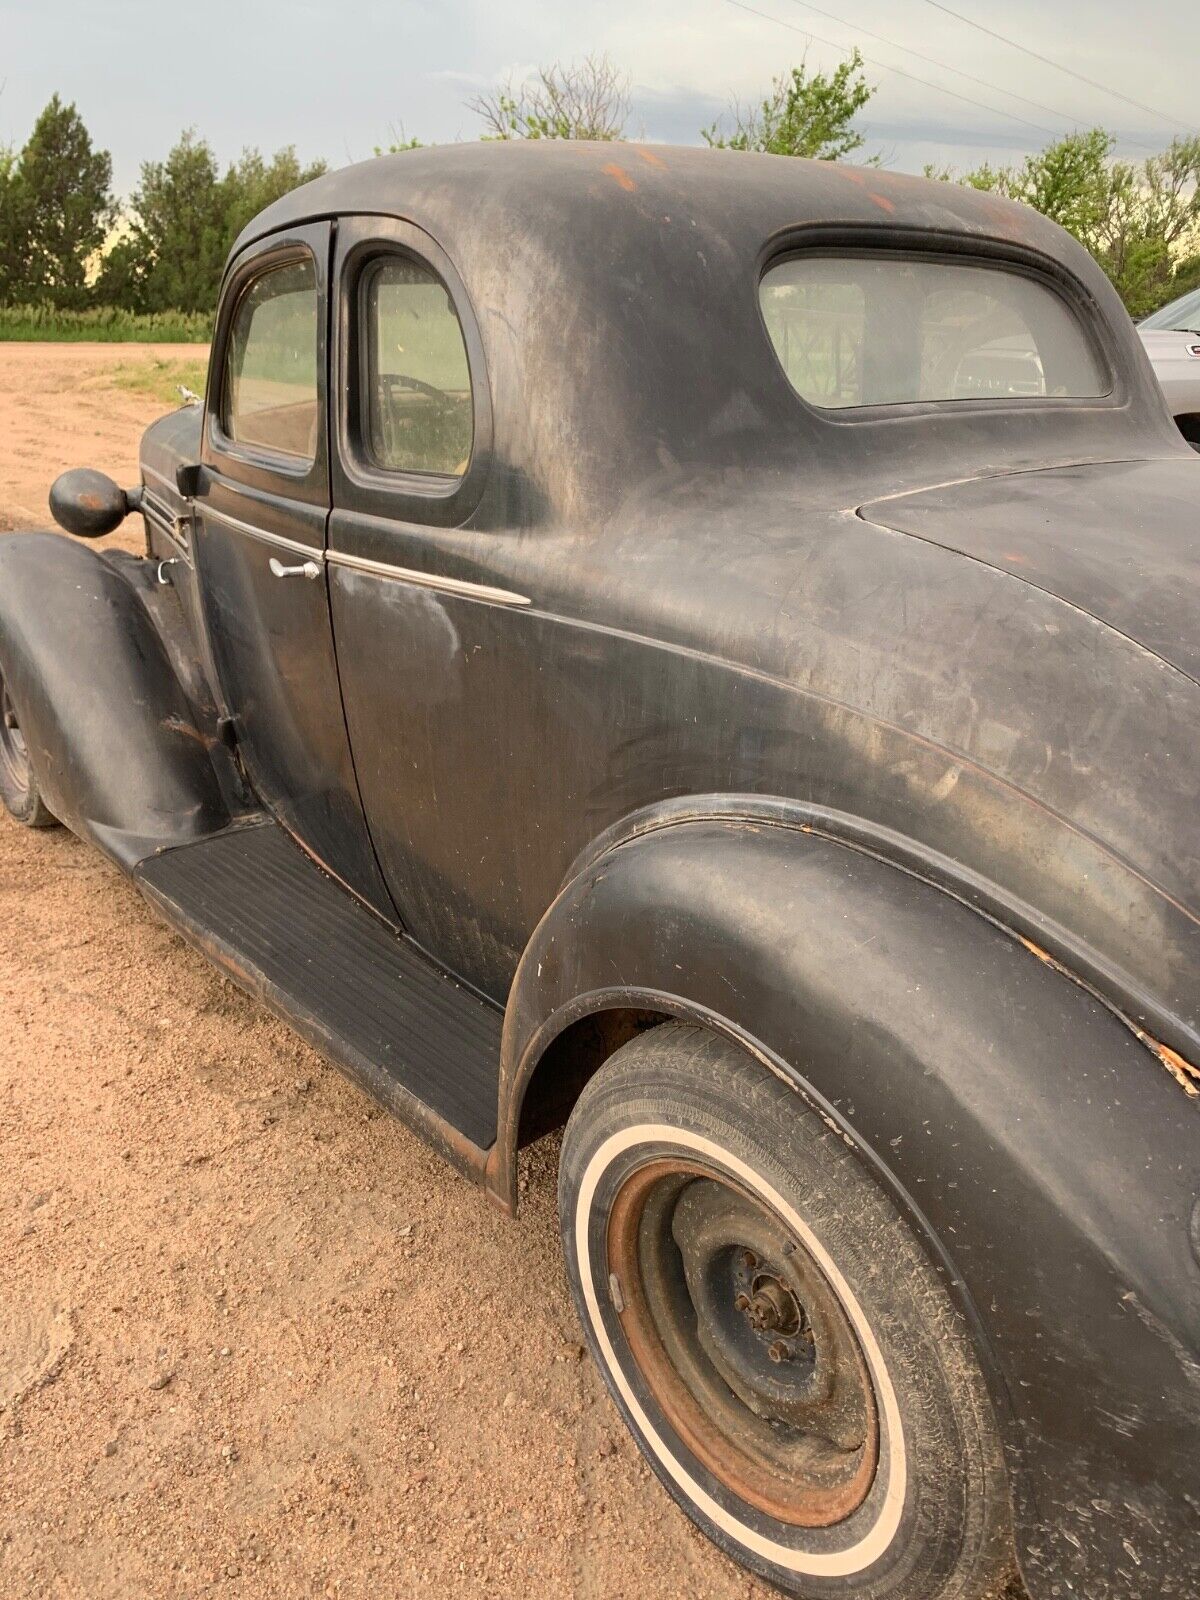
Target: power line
[[884, 66], [1047, 61], [934, 62]]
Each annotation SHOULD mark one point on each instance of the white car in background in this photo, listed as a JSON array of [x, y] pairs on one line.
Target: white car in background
[[1172, 340]]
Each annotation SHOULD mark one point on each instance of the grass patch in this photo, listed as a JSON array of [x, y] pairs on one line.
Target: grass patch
[[161, 378], [106, 324]]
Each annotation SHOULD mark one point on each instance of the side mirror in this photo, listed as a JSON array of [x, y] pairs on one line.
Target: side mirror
[[89, 504]]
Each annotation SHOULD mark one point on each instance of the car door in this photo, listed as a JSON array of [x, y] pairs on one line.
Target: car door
[[259, 539], [497, 724], [419, 632]]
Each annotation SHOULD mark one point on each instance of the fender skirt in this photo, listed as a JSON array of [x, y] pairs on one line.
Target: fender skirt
[[110, 732], [1047, 1157]]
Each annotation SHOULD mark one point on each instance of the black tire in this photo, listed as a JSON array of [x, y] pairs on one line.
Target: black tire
[[680, 1149], [18, 782]]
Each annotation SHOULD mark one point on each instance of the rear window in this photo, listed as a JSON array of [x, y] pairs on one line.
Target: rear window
[[884, 331]]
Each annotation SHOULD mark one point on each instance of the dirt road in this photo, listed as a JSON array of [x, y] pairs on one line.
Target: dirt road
[[255, 1340]]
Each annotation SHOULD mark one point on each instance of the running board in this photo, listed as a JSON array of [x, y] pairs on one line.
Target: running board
[[423, 1045]]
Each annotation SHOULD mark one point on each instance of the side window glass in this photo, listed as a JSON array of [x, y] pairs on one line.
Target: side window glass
[[269, 394], [418, 402]]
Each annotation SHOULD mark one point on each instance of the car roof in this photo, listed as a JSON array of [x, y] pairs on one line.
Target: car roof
[[590, 183], [615, 290]]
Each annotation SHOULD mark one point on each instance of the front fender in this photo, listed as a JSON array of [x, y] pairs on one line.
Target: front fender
[[1047, 1155], [110, 731]]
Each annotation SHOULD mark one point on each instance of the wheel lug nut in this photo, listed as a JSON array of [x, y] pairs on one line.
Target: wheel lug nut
[[778, 1351], [742, 1302]]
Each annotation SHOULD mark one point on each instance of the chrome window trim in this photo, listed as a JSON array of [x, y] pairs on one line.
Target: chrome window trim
[[427, 580]]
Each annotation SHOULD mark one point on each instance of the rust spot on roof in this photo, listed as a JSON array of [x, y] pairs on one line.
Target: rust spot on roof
[[649, 157], [617, 173], [860, 176]]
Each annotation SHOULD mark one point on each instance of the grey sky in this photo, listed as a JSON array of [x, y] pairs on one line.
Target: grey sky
[[336, 78]]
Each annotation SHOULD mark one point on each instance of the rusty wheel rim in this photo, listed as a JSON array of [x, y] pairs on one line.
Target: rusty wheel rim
[[14, 755], [743, 1344]]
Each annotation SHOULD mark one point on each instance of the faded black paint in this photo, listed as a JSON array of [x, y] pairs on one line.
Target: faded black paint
[[961, 638]]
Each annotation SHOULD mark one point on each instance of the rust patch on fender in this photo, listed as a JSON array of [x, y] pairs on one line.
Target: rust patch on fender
[[175, 724], [1036, 950], [649, 157], [619, 176], [1185, 1074]]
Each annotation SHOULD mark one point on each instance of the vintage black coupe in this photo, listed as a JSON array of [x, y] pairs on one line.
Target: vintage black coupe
[[705, 649]]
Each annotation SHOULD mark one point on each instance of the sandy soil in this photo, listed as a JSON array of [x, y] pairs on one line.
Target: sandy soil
[[255, 1339]]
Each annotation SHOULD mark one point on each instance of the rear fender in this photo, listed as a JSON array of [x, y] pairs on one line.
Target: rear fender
[[111, 734], [1046, 1155]]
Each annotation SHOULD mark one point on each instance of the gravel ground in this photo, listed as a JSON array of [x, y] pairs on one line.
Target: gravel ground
[[255, 1339]]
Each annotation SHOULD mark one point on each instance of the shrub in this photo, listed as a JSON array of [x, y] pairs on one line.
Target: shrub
[[105, 324]]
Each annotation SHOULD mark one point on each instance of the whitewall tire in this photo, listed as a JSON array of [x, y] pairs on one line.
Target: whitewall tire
[[776, 1339]]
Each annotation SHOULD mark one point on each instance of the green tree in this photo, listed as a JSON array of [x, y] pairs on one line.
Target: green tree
[[1184, 279], [1154, 217], [805, 114], [58, 206], [253, 183], [176, 246], [398, 143], [588, 101], [1136, 218], [184, 218], [14, 229], [123, 279]]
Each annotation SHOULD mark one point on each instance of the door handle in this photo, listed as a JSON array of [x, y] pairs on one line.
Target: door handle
[[306, 569]]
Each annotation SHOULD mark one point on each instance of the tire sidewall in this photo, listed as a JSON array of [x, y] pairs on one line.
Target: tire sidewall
[[23, 803], [929, 1516]]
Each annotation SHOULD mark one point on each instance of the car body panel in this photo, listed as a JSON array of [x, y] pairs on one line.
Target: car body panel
[[1118, 541], [1171, 337], [270, 635], [120, 757], [1176, 360], [830, 690]]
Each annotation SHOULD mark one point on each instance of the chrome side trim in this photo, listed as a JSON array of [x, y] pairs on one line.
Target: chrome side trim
[[156, 507], [152, 472], [176, 528], [427, 580], [313, 552], [375, 569]]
